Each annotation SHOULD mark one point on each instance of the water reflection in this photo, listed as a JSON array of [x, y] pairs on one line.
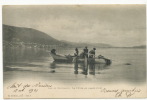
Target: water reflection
[[90, 68], [79, 68], [75, 68], [19, 55], [52, 67]]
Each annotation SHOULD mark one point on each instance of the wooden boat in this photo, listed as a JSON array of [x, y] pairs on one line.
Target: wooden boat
[[61, 58], [69, 58]]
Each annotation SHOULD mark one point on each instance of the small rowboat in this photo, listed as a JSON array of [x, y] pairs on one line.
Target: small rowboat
[[69, 58], [61, 58]]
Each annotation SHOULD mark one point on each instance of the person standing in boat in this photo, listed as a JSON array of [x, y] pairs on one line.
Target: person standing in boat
[[53, 51], [86, 51], [76, 52], [92, 53]]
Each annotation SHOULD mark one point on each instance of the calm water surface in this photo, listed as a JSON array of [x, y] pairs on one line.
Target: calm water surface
[[128, 65]]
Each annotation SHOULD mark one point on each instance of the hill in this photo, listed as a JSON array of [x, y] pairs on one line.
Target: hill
[[27, 35], [91, 45]]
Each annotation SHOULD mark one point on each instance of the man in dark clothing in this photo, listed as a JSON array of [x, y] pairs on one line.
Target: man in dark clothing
[[76, 52], [92, 53], [86, 51], [53, 51]]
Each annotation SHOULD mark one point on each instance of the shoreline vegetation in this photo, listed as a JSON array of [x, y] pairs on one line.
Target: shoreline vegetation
[[31, 38]]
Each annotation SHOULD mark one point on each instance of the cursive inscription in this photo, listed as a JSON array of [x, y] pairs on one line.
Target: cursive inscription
[[25, 90], [20, 87], [121, 92]]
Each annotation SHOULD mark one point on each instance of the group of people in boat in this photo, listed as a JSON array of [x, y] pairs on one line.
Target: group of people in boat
[[85, 53]]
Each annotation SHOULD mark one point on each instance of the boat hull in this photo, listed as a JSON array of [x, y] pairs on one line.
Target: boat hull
[[69, 58], [62, 58]]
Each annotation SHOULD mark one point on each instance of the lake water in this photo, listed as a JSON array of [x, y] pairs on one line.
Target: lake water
[[128, 65]]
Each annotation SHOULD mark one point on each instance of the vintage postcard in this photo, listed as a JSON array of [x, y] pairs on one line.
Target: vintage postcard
[[74, 51]]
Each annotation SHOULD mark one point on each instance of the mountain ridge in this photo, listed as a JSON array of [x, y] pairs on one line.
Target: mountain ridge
[[11, 33], [27, 35]]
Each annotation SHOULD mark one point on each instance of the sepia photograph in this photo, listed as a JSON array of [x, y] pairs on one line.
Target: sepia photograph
[[74, 51]]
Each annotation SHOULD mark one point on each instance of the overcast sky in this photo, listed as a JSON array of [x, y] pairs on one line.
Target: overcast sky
[[118, 25]]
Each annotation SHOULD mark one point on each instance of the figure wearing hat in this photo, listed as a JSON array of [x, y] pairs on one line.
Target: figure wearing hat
[[76, 52], [92, 53], [53, 51]]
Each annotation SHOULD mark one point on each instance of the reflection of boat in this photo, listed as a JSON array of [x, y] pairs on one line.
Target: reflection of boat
[[69, 58], [92, 60]]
